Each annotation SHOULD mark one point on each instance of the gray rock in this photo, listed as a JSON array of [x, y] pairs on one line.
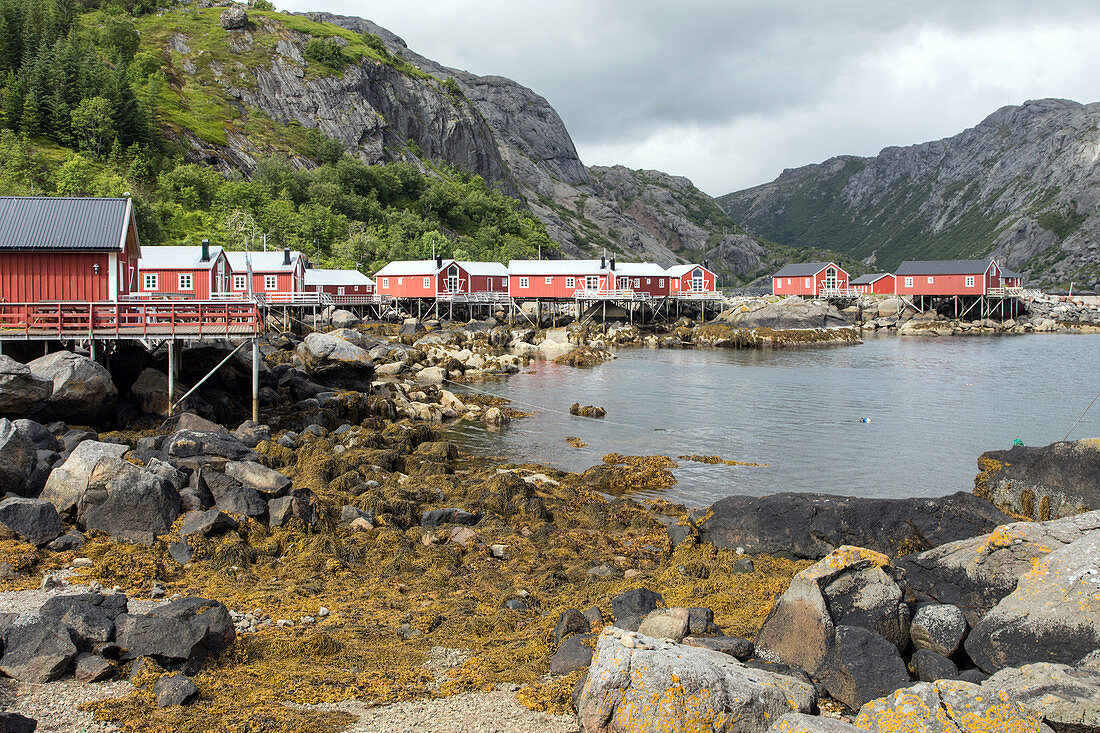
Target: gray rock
[[34, 520], [802, 723], [296, 505], [571, 621], [255, 475], [38, 652], [1048, 482], [938, 627], [631, 607], [122, 499], [16, 723], [74, 437], [335, 360], [681, 688], [793, 312], [1068, 698], [431, 376], [71, 540], [735, 646], [252, 434], [1038, 622], [453, 515], [92, 668], [21, 391], [594, 616], [191, 422], [665, 623], [232, 18], [860, 666], [349, 514], [151, 391], [174, 689], [928, 666], [947, 706], [38, 434], [344, 319], [572, 654], [187, 443], [67, 483], [82, 389], [800, 525], [701, 621], [183, 632], [207, 523], [231, 496], [18, 457]]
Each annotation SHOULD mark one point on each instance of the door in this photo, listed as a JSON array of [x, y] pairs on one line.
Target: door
[[452, 280], [221, 284], [592, 282], [830, 278], [697, 281]]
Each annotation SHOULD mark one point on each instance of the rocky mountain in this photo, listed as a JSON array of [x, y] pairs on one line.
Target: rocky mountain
[[385, 103], [1022, 186]]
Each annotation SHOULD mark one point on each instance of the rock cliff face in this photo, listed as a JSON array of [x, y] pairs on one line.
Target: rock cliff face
[[1021, 186], [492, 126]]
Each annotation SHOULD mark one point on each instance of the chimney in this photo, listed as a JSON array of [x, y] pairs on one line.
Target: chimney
[[603, 262], [612, 263], [286, 256], [205, 251], [706, 264], [439, 262]]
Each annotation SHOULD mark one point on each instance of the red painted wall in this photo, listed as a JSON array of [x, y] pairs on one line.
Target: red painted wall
[[683, 284], [656, 286], [798, 286], [40, 276], [335, 289], [947, 284], [882, 286], [558, 287], [285, 281]]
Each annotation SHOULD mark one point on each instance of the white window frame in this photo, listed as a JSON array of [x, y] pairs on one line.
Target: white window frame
[[150, 281], [969, 281], [908, 282], [385, 282], [340, 290], [589, 284], [649, 281], [661, 283], [401, 281], [549, 280], [931, 279], [809, 282], [186, 281], [240, 282], [570, 282], [271, 282], [427, 283], [788, 280], [637, 282], [524, 282]]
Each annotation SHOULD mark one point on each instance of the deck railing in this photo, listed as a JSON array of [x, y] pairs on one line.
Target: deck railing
[[362, 299], [838, 293], [322, 300], [109, 320], [485, 297], [594, 294]]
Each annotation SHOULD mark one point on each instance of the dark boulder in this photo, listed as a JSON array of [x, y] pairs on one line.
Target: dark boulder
[[1043, 483], [571, 621], [190, 443], [209, 523], [174, 689], [231, 496], [451, 515], [184, 632], [572, 654], [16, 723], [38, 434], [128, 502], [735, 646], [18, 458], [92, 668], [20, 390], [928, 666], [813, 525], [33, 520], [38, 652], [861, 666], [630, 608], [297, 505]]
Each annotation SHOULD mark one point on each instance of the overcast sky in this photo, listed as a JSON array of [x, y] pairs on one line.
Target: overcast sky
[[731, 93]]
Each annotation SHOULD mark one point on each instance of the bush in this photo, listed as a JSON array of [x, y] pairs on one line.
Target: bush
[[327, 52]]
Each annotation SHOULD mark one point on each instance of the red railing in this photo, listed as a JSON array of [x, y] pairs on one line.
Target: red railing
[[192, 319]]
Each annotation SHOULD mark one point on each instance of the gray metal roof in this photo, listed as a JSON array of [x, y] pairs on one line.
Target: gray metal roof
[[63, 223], [1005, 272], [803, 269], [943, 267], [869, 279]]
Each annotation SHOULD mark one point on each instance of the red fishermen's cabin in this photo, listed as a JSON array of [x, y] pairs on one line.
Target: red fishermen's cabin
[[947, 277], [1011, 278], [643, 277], [440, 277], [558, 279], [72, 249], [275, 275], [810, 279], [338, 282], [182, 272], [686, 281], [879, 283]]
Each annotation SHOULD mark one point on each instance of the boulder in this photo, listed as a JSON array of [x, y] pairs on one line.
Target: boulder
[[572, 654], [128, 502], [251, 433], [949, 706], [192, 422], [38, 434], [90, 617], [975, 574], [268, 482], [174, 689], [642, 685], [1068, 698], [334, 360], [190, 443], [151, 391], [844, 621], [183, 632], [233, 18], [231, 496], [18, 458], [431, 376], [67, 483], [937, 627], [1053, 615], [571, 621], [34, 520], [631, 607], [38, 652], [344, 319], [92, 668], [21, 391], [207, 523], [16, 723], [735, 646], [928, 666], [802, 723], [793, 312], [889, 308], [1048, 482], [666, 623], [451, 515], [82, 388], [811, 526], [298, 505]]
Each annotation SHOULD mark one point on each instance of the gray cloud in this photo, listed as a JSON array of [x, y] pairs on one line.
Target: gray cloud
[[729, 93]]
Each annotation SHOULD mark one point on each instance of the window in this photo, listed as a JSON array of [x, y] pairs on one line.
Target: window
[[549, 281], [270, 282], [930, 279], [185, 281], [637, 282], [592, 282], [400, 281], [339, 291], [969, 281], [427, 283], [385, 282], [788, 281], [239, 282], [570, 282], [523, 282], [809, 282], [661, 283], [649, 281], [908, 282], [150, 281]]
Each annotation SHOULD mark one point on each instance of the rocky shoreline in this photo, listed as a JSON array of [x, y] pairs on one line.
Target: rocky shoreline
[[260, 576]]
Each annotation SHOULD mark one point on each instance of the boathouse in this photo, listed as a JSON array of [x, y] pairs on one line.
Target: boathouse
[[277, 275], [66, 249], [441, 277], [686, 281], [811, 279], [558, 279], [878, 283], [338, 282], [643, 277], [200, 272], [1011, 278], [945, 278]]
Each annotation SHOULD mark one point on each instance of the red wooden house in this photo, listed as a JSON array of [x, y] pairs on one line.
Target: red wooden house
[[879, 283], [1011, 278], [558, 279], [440, 277], [66, 249], [279, 273], [809, 279], [947, 277], [338, 282], [643, 277], [484, 277], [182, 272], [691, 280]]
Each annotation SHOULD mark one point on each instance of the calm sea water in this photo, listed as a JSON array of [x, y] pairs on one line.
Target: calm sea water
[[934, 405]]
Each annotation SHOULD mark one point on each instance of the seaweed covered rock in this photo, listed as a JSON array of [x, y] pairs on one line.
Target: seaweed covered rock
[[799, 525], [82, 388], [1047, 482], [583, 357], [949, 706], [975, 574], [643, 685], [507, 495], [580, 410], [1053, 615]]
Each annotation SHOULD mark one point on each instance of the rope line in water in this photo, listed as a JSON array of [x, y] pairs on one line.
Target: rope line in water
[[1082, 416]]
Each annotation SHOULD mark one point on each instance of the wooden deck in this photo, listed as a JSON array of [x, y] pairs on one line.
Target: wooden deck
[[186, 319]]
